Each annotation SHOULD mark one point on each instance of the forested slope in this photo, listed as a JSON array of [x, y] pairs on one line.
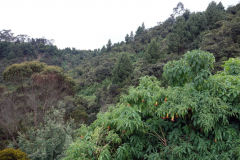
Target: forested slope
[[36, 75]]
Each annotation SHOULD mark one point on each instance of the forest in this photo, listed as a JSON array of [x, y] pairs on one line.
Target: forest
[[167, 92]]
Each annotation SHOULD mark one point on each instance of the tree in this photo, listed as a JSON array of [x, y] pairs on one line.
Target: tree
[[178, 9], [196, 24], [153, 52], [143, 27], [109, 45], [153, 122], [214, 13], [122, 69], [103, 50], [127, 39], [178, 37], [51, 139], [131, 37], [6, 35], [12, 117], [20, 72], [139, 31], [49, 84]]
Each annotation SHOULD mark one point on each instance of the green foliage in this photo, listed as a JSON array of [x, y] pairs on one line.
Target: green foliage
[[214, 13], [18, 72], [55, 75], [232, 66], [212, 30], [153, 52], [195, 67], [179, 36], [204, 120], [50, 140], [127, 39], [109, 45], [177, 72], [122, 69], [139, 31], [13, 154]]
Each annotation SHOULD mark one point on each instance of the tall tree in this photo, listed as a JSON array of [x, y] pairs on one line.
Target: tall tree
[[179, 9], [214, 13], [122, 69], [109, 45], [139, 31], [153, 52], [127, 39], [179, 36], [131, 36], [143, 26], [103, 50]]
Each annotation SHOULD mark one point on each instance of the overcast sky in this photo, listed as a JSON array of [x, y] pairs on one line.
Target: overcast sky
[[88, 24]]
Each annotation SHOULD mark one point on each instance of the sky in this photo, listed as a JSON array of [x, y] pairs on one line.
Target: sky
[[88, 24]]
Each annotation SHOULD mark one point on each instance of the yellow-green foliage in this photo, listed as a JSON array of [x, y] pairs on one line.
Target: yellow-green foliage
[[22, 70], [13, 154], [53, 69]]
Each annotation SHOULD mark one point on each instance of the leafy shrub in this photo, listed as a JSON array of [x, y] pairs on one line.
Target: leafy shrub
[[50, 140], [13, 154]]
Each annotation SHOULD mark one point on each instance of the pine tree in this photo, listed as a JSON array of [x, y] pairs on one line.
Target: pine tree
[[122, 69], [103, 50], [109, 45], [139, 31], [127, 39]]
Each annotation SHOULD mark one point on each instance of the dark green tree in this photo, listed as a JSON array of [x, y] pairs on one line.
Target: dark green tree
[[103, 50], [109, 45], [122, 69], [139, 31], [214, 12], [153, 52], [179, 36], [127, 39]]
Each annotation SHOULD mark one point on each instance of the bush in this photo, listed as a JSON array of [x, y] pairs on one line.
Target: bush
[[13, 154], [50, 140]]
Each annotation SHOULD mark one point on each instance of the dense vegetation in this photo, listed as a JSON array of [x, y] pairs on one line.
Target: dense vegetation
[[49, 97], [195, 119]]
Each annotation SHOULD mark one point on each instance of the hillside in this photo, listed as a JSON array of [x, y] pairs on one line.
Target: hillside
[[90, 81]]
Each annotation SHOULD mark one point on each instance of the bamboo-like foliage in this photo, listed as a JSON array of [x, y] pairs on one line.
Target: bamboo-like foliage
[[186, 121]]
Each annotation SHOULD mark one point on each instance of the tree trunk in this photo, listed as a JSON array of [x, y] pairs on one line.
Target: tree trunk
[[15, 142]]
